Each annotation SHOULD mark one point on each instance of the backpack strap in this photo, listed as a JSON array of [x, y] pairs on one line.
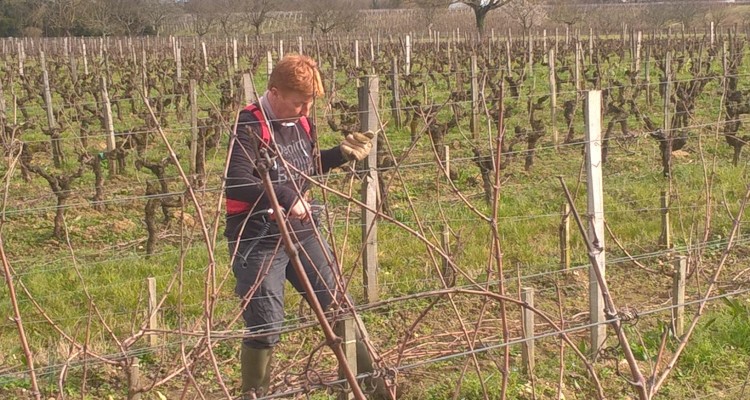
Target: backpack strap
[[265, 133], [306, 126]]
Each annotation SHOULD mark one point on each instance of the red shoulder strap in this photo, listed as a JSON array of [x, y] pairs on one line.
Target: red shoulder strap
[[258, 114], [265, 133], [306, 126]]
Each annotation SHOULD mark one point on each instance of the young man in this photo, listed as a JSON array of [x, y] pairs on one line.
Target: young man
[[276, 131]]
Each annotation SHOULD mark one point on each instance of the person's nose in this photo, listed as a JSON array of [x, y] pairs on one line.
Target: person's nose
[[304, 110]]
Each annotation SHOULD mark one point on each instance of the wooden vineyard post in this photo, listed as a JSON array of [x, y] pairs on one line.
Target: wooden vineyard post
[[553, 97], [396, 106], [448, 273], [473, 123], [109, 128], [647, 75], [235, 61], [248, 88], [368, 99], [299, 44], [577, 70], [57, 154], [565, 237], [665, 239], [134, 380], [596, 214], [346, 330], [667, 125], [407, 65], [527, 317], [269, 64], [2, 107], [356, 53], [178, 61], [281, 49], [153, 321], [85, 58], [637, 58], [193, 125], [678, 295], [205, 56]]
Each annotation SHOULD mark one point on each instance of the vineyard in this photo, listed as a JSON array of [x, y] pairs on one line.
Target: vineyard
[[506, 167]]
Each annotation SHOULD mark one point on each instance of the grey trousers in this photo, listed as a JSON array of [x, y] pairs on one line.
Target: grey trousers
[[267, 269]]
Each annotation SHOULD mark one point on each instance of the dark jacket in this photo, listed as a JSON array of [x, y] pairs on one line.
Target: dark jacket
[[245, 193]]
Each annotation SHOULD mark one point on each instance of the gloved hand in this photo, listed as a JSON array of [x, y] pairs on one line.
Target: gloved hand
[[356, 146]]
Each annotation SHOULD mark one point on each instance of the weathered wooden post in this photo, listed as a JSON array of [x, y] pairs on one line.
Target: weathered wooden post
[[248, 88], [205, 56], [665, 239], [565, 236], [368, 99], [678, 295], [396, 105], [527, 318], [473, 122], [57, 155], [553, 96], [193, 125], [596, 214], [407, 65], [153, 321], [346, 330], [134, 380], [448, 273], [109, 129], [269, 64]]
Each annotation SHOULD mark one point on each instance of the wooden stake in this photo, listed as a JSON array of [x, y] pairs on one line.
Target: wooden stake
[[565, 236], [665, 239], [109, 128], [678, 295], [595, 194], [346, 329], [396, 107], [527, 317], [153, 322], [193, 125], [553, 96], [368, 95], [473, 122]]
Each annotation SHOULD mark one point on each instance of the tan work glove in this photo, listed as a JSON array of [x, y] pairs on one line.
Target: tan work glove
[[356, 146]]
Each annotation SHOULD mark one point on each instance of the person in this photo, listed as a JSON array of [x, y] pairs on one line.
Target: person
[[276, 130]]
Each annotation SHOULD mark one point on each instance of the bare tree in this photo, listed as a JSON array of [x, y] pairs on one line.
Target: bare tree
[[567, 13], [62, 17], [204, 15], [527, 13], [226, 12], [687, 14], [256, 12], [429, 9], [482, 8], [329, 15], [656, 15]]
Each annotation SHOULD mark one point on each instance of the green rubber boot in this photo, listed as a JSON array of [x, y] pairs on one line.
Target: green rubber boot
[[255, 365]]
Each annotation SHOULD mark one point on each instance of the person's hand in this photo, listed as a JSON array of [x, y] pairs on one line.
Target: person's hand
[[301, 210], [356, 146]]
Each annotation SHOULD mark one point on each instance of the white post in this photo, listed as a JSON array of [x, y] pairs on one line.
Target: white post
[[595, 213], [407, 65]]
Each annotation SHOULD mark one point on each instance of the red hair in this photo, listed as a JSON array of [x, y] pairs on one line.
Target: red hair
[[297, 73]]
